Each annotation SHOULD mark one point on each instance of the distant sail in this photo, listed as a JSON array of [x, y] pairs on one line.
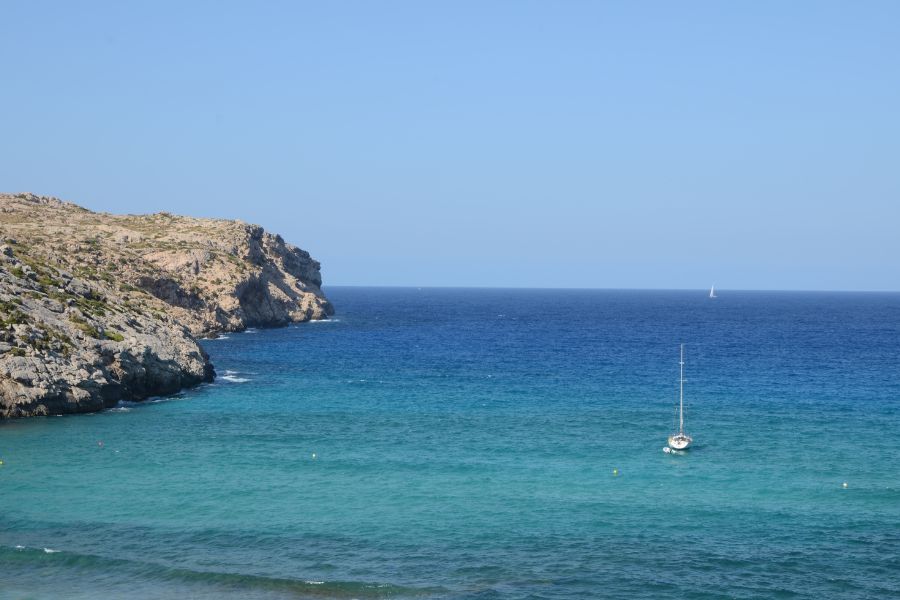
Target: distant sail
[[712, 291]]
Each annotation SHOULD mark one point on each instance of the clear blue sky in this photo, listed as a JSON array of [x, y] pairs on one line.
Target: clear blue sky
[[572, 144]]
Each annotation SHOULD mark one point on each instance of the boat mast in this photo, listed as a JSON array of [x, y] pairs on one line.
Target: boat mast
[[681, 394]]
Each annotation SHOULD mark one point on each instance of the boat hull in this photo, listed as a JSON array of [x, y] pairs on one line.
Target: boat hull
[[679, 441]]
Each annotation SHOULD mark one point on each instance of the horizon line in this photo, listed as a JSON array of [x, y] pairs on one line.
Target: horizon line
[[609, 289]]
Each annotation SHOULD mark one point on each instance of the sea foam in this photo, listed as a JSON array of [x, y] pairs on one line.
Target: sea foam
[[232, 377]]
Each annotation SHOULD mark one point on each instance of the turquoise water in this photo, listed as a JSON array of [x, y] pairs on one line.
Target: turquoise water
[[465, 442]]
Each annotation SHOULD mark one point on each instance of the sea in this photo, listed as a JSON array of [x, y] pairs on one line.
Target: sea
[[485, 444]]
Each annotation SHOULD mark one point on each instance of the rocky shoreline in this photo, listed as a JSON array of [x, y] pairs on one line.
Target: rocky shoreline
[[96, 308]]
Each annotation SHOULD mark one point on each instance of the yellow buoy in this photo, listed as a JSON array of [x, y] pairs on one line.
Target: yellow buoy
[[845, 484], [615, 471], [314, 455]]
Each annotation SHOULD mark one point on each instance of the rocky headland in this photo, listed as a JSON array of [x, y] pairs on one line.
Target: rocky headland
[[96, 308]]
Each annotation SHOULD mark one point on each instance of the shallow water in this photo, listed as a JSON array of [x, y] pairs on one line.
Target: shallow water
[[454, 443]]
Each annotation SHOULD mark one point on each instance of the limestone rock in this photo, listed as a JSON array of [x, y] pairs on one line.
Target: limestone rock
[[96, 308]]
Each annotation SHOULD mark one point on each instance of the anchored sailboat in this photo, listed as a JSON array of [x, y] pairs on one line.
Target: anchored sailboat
[[680, 440], [712, 291]]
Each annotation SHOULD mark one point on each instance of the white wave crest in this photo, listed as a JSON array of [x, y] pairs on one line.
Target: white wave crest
[[50, 551]]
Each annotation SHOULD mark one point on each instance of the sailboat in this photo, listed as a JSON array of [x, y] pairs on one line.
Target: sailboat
[[712, 291], [680, 440]]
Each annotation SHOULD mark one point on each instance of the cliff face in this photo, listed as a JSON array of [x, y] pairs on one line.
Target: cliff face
[[95, 308]]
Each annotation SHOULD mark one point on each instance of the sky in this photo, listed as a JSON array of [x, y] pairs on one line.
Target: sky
[[631, 144]]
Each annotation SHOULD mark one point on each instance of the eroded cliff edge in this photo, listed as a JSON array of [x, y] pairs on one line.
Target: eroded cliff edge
[[97, 308]]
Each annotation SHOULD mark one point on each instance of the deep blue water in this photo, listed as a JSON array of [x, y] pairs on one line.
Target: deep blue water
[[465, 442]]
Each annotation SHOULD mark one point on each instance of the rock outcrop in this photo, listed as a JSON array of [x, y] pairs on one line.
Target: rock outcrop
[[96, 308]]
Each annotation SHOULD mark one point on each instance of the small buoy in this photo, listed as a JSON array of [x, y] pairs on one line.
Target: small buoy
[[1, 463], [615, 472], [100, 443], [314, 455], [845, 485]]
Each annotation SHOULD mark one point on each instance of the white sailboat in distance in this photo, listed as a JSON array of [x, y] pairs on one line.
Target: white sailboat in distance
[[712, 291], [680, 440]]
